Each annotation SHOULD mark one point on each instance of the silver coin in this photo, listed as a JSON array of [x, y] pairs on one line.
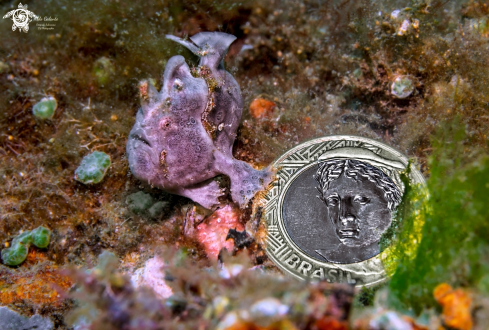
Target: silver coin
[[332, 199]]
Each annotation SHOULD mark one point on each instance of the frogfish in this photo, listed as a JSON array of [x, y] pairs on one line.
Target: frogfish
[[184, 134]]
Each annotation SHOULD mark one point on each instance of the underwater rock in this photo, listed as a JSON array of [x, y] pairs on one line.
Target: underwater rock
[[266, 314], [480, 24], [184, 134], [92, 168], [152, 276], [403, 23], [17, 253], [232, 320], [232, 270], [10, 320], [139, 202], [45, 108], [269, 308], [194, 215], [106, 299], [143, 204], [220, 304], [389, 320], [38, 284]]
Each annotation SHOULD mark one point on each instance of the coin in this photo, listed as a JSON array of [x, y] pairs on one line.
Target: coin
[[332, 199]]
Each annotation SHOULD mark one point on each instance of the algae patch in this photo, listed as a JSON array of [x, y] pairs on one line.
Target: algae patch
[[17, 253], [452, 246]]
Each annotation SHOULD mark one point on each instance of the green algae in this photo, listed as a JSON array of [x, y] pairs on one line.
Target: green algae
[[17, 253], [407, 223], [453, 244], [45, 108], [365, 297], [402, 87], [157, 208], [92, 168], [40, 237], [103, 70]]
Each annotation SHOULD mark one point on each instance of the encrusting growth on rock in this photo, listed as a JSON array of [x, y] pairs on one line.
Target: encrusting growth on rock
[[456, 307], [260, 108]]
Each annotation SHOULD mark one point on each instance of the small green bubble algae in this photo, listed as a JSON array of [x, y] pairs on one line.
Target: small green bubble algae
[[45, 108], [92, 168], [24, 238], [402, 87], [452, 245], [17, 253], [40, 237], [103, 70]]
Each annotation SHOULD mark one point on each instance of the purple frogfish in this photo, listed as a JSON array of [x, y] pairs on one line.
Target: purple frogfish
[[183, 135]]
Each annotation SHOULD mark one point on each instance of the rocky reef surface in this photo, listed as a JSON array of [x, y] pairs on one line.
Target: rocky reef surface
[[413, 74]]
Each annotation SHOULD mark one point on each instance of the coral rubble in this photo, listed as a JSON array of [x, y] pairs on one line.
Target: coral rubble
[[206, 298]]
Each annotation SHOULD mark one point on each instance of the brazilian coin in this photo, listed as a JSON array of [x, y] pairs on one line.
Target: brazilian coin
[[331, 201]]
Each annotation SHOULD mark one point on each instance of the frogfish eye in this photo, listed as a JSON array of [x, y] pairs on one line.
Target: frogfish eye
[[178, 84]]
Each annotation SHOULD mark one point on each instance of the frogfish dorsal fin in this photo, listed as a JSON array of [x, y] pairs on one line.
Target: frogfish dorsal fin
[[211, 47]]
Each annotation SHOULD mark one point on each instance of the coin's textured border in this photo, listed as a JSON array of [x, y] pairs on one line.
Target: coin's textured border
[[280, 247]]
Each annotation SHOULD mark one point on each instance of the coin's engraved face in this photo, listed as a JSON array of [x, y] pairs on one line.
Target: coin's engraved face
[[358, 210], [334, 237], [359, 199]]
